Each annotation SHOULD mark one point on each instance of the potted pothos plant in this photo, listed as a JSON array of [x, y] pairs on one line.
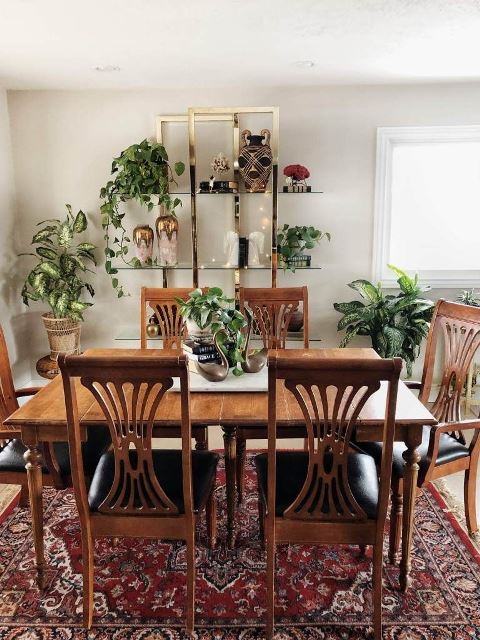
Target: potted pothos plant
[[57, 279], [396, 323], [209, 312], [141, 172], [292, 243]]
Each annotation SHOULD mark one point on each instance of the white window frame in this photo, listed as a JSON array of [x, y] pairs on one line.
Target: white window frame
[[387, 139]]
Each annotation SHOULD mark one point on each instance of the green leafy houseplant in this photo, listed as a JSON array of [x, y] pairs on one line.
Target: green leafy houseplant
[[141, 173], [292, 242], [212, 309], [397, 324], [56, 279]]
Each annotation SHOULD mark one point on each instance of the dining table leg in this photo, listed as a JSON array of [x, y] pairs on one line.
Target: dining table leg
[[412, 458], [34, 458], [230, 446]]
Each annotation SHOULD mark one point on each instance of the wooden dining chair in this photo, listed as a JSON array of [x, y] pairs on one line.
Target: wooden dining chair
[[272, 311], [56, 463], [327, 494], [444, 449], [161, 301], [137, 491]]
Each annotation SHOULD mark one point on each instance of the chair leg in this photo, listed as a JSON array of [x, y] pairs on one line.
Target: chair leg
[[23, 502], [396, 521], [190, 605], [261, 520], [87, 562], [201, 441], [470, 497], [270, 580], [211, 512], [241, 459], [377, 591]]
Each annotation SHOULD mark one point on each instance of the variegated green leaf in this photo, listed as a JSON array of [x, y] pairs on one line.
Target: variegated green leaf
[[348, 307], [80, 223], [366, 289], [51, 269], [394, 338], [46, 252], [65, 235]]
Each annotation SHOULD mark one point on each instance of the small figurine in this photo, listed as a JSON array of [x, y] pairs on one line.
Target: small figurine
[[295, 177], [231, 248], [211, 183], [220, 163], [256, 243]]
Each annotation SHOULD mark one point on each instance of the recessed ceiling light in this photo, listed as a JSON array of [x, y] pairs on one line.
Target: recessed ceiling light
[[304, 64], [107, 68]]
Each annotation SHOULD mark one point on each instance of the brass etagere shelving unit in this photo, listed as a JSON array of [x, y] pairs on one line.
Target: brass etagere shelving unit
[[198, 115]]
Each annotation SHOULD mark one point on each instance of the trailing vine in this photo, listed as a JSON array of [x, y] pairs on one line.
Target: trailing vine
[[141, 173]]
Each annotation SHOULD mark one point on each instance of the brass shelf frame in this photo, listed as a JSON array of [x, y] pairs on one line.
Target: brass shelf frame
[[199, 114]]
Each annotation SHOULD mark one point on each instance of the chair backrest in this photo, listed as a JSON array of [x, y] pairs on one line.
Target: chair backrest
[[458, 327], [272, 310], [8, 399], [331, 393], [130, 392], [170, 322]]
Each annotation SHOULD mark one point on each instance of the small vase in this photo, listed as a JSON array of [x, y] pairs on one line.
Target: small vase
[[255, 160], [143, 239], [167, 233]]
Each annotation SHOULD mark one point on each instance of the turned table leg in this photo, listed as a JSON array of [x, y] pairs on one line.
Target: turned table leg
[[230, 445], [412, 459], [33, 457]]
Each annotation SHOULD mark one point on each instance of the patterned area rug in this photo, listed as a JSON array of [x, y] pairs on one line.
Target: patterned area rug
[[322, 593]]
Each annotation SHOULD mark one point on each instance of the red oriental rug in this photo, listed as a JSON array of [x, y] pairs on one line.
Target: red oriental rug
[[322, 593]]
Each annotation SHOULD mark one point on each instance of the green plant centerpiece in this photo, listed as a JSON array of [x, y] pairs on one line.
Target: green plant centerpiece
[[293, 241], [396, 324], [206, 314], [57, 279], [142, 173]]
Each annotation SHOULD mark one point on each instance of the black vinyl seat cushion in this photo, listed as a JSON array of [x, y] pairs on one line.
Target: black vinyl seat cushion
[[291, 471], [98, 441], [167, 464], [449, 450]]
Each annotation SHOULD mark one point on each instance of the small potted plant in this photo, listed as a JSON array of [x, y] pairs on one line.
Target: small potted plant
[[292, 242], [56, 279], [207, 313]]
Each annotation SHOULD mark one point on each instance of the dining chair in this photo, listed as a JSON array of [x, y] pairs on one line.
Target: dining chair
[[272, 311], [444, 449], [56, 463], [327, 494], [137, 491], [161, 301]]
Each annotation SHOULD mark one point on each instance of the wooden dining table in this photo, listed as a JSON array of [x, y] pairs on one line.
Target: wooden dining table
[[43, 419]]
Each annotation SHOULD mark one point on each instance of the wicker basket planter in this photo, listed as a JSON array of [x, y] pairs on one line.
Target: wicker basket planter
[[63, 335]]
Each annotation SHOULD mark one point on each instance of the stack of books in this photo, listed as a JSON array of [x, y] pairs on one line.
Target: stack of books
[[206, 353]]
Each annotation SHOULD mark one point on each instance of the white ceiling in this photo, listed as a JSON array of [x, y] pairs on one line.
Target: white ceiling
[[55, 44]]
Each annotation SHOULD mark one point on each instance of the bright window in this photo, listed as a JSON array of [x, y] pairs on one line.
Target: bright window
[[427, 209]]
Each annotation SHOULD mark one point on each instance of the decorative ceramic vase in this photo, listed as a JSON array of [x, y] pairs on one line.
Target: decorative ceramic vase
[[143, 237], [296, 321], [167, 233], [255, 160]]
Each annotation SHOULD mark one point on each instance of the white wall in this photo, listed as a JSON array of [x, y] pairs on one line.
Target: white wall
[[12, 317], [63, 143]]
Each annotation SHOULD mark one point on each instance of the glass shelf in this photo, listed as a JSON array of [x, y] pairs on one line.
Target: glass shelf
[[132, 333], [214, 267], [255, 193]]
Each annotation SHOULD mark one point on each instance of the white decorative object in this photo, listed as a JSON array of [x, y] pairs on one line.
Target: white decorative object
[[230, 246], [220, 163], [256, 244]]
